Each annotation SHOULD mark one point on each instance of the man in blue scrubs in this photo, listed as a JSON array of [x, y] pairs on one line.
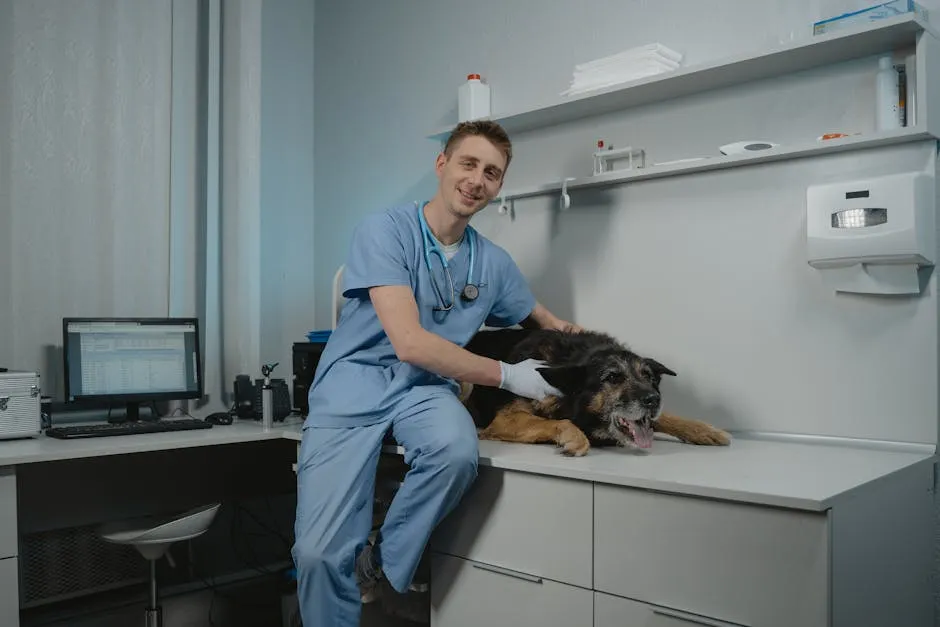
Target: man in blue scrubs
[[391, 365]]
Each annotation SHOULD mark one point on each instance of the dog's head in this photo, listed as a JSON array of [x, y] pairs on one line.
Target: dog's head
[[620, 388]]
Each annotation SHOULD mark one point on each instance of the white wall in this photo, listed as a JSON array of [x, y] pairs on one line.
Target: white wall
[[705, 272]]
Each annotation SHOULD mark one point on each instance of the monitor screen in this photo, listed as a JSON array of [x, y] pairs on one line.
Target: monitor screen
[[131, 359]]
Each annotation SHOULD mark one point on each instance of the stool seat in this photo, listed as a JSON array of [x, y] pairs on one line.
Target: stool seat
[[153, 535]]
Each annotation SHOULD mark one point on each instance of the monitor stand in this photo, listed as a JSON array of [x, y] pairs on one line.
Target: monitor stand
[[132, 413]]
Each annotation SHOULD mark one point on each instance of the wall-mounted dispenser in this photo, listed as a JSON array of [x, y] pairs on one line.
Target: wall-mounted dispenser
[[872, 236]]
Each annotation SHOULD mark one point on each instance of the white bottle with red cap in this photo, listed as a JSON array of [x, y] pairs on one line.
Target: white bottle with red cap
[[473, 99]]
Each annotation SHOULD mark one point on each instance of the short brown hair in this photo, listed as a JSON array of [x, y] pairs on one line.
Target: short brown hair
[[484, 128]]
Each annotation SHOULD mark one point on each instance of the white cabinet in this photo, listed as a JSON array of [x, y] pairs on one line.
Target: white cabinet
[[9, 593], [8, 528], [531, 523], [471, 594], [731, 561]]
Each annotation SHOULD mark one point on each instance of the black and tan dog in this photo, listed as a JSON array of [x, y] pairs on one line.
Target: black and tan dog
[[611, 395]]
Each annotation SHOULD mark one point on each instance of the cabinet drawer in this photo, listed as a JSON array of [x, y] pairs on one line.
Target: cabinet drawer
[[611, 611], [529, 523], [8, 535], [736, 562], [9, 593], [471, 594]]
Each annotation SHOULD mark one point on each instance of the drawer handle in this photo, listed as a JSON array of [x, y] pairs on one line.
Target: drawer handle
[[694, 618], [508, 573]]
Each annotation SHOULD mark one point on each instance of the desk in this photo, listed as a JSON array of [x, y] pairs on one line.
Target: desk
[[759, 533]]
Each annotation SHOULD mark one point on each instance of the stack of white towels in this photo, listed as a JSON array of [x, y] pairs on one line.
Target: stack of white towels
[[623, 67]]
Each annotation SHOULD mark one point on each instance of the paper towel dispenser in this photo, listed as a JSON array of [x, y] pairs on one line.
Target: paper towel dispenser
[[872, 236]]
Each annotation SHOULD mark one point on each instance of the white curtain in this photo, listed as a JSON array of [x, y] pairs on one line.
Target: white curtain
[[130, 175], [86, 169]]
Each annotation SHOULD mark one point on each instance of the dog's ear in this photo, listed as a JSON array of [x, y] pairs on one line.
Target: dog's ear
[[658, 368], [568, 379]]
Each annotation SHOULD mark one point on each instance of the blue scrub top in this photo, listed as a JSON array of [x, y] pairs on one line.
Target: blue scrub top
[[359, 378]]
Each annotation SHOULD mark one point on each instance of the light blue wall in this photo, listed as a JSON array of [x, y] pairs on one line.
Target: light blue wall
[[706, 272], [287, 178], [388, 72]]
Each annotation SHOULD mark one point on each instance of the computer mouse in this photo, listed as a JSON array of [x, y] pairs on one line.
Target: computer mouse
[[219, 418]]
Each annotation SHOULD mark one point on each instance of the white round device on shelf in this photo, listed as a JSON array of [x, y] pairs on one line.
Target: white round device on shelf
[[746, 146]]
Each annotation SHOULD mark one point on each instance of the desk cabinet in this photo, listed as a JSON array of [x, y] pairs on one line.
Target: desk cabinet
[[9, 593], [730, 561], [530, 523], [465, 593], [527, 549], [9, 544], [8, 526]]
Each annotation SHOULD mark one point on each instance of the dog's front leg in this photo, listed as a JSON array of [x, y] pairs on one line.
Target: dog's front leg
[[691, 431], [517, 423]]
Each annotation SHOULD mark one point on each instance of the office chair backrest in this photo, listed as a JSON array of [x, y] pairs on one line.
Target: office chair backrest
[[338, 298]]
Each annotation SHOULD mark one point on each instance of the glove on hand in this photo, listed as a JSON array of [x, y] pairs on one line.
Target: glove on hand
[[524, 380]]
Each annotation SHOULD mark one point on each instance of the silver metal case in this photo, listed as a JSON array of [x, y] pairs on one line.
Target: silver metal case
[[20, 412]]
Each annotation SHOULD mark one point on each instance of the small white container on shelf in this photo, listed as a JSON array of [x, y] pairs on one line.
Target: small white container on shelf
[[887, 95], [473, 101]]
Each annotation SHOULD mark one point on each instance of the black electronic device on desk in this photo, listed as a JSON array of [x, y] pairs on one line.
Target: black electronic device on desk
[[249, 398], [129, 361], [306, 358]]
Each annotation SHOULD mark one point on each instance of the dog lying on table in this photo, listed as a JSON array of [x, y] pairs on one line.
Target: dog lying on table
[[611, 395]]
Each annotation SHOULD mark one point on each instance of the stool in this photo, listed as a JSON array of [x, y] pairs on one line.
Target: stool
[[153, 536]]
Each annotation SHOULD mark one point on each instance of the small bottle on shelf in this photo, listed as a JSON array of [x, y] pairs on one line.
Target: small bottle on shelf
[[473, 99]]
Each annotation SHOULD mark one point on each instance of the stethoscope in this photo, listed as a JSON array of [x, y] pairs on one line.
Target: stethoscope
[[470, 291]]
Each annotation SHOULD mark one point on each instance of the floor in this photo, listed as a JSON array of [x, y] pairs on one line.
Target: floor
[[254, 603]]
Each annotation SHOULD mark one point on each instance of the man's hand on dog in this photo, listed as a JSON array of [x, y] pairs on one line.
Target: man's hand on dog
[[568, 327], [524, 379]]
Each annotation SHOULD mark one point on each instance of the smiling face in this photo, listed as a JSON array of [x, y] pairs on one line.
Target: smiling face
[[470, 174]]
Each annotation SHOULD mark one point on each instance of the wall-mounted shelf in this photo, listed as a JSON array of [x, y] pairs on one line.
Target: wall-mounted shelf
[[883, 36], [721, 162]]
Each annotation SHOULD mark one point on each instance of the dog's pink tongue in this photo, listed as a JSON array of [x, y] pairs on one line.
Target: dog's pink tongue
[[642, 435]]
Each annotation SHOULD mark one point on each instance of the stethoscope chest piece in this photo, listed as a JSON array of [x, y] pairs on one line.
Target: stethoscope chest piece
[[469, 292]]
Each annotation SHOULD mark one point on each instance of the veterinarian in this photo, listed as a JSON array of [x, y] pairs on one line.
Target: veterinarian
[[419, 282]]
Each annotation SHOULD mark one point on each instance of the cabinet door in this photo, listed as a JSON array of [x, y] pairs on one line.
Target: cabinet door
[[526, 522], [8, 533], [472, 594], [9, 593], [737, 562], [611, 611]]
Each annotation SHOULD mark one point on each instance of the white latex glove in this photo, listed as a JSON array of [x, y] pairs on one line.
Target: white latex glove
[[524, 380]]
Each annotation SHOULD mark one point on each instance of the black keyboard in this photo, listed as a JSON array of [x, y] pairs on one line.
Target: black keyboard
[[126, 428]]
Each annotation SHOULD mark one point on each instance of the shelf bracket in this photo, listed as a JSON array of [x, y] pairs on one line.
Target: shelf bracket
[[565, 201], [505, 209]]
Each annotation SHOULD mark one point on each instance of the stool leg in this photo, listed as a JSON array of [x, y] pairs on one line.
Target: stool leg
[[154, 616]]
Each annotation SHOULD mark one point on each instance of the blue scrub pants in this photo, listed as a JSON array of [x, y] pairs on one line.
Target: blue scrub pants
[[335, 489]]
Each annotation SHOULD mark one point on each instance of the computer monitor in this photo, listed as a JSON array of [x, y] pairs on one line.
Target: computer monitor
[[131, 360]]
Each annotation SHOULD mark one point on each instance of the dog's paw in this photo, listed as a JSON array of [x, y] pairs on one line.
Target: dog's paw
[[705, 434], [573, 442]]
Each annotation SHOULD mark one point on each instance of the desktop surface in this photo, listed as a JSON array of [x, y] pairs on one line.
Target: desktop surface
[[45, 449]]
